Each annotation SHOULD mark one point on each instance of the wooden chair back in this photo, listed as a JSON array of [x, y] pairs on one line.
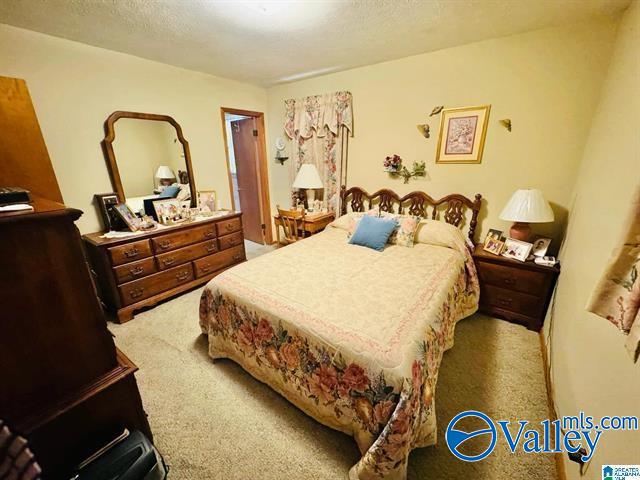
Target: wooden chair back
[[292, 223]]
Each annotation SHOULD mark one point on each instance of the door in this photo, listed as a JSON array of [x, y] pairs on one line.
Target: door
[[245, 146]]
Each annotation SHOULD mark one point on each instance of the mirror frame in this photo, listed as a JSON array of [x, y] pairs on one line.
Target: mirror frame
[[112, 164]]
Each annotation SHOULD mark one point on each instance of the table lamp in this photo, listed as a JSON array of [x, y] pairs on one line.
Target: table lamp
[[524, 207], [308, 179], [165, 175]]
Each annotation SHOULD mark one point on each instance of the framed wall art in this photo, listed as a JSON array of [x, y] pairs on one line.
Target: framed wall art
[[462, 134]]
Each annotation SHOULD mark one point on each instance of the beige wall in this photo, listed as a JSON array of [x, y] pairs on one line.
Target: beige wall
[[75, 87], [546, 81], [591, 369]]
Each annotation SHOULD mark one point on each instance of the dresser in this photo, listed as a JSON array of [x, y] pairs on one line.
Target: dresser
[[63, 384], [516, 291], [141, 270]]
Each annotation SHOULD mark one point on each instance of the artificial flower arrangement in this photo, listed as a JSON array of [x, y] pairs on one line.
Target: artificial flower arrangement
[[393, 166]]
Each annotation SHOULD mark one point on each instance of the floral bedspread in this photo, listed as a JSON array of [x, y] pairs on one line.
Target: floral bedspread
[[352, 336]]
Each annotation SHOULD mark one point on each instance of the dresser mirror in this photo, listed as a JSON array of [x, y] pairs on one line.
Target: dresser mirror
[[148, 158]]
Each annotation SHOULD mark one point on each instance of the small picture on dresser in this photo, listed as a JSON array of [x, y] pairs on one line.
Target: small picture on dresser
[[106, 203], [540, 246], [207, 202], [494, 242], [128, 217], [516, 249]]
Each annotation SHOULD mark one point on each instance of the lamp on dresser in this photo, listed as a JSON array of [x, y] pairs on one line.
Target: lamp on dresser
[[524, 207]]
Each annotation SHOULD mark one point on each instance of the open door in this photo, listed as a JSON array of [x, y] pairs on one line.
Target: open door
[[245, 146]]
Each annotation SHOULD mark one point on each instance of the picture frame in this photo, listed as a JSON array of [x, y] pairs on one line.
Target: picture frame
[[207, 200], [494, 242], [127, 216], [462, 134], [516, 249], [106, 203], [540, 246], [169, 210]]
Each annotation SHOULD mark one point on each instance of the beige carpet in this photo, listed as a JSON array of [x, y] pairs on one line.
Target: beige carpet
[[214, 421]]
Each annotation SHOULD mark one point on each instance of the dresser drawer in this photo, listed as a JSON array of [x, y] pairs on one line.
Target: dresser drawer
[[185, 254], [130, 252], [229, 241], [137, 290], [171, 241], [226, 227], [526, 281], [522, 303], [134, 270], [205, 266]]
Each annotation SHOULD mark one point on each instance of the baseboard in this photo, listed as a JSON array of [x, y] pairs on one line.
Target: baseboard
[[560, 469]]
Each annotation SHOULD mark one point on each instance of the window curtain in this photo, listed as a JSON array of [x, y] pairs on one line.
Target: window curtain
[[320, 127], [617, 296]]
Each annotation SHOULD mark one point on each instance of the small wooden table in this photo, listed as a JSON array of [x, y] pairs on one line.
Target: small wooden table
[[313, 223]]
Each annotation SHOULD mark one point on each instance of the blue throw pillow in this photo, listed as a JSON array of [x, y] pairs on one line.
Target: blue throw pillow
[[373, 232], [170, 192]]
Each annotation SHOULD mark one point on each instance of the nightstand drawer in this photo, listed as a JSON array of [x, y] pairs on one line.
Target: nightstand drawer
[[522, 303], [520, 280]]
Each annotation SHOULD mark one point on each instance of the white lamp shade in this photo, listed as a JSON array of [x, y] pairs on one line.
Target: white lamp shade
[[164, 172], [308, 177], [527, 206]]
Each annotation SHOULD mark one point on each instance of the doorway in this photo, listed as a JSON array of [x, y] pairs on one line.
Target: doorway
[[244, 137]]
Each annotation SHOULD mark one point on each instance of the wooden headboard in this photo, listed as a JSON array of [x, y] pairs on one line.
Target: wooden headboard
[[451, 208]]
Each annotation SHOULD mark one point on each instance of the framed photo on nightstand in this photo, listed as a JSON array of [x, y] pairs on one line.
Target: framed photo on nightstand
[[540, 246], [494, 242], [516, 249]]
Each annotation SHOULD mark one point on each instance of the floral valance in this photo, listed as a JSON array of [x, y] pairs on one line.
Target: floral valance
[[322, 113]]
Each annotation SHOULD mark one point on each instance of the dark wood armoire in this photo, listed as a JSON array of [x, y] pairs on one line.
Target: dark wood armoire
[[63, 383]]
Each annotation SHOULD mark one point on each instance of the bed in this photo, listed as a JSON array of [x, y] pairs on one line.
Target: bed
[[352, 336]]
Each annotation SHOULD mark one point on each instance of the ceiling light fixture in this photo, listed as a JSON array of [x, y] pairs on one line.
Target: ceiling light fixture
[[272, 15]]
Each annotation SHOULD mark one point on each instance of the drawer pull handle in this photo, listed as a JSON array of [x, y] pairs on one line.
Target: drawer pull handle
[[505, 302], [237, 256], [182, 276], [131, 253], [228, 227], [209, 234], [210, 248], [136, 293], [168, 261], [165, 244], [509, 281], [205, 268], [136, 271]]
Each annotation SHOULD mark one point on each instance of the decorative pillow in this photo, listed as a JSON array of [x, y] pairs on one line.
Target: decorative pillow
[[170, 192], [349, 221], [355, 218], [404, 234], [373, 232], [184, 193]]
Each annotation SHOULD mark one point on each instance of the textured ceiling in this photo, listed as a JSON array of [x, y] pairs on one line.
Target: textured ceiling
[[270, 41]]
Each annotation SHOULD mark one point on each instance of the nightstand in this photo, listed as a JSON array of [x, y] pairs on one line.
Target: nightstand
[[513, 290]]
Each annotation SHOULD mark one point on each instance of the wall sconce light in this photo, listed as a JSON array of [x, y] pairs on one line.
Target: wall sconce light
[[280, 146]]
